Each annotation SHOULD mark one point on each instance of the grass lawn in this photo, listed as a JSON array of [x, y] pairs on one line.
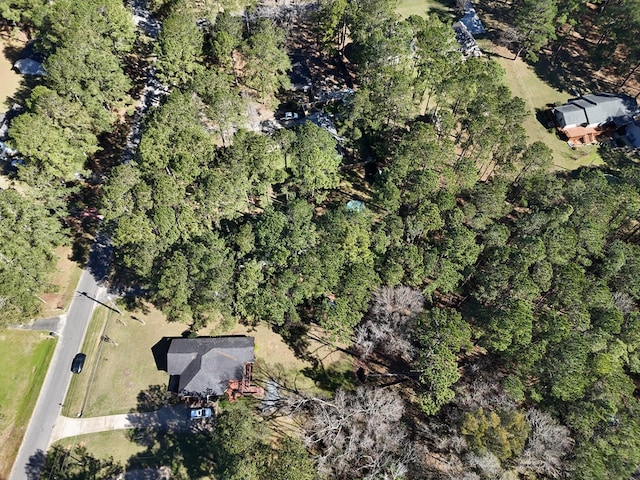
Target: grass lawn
[[24, 359], [114, 375], [66, 278], [114, 444], [524, 83], [406, 8]]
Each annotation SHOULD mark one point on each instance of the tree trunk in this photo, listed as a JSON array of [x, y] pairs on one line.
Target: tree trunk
[[629, 75], [563, 42]]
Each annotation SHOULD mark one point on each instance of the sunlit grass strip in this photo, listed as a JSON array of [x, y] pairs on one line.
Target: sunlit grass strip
[[24, 361]]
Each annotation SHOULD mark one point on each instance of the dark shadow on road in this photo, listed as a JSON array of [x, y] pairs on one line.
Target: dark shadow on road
[[100, 258], [99, 302], [35, 465]]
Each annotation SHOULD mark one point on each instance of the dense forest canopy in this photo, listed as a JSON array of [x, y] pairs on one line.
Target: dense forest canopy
[[504, 294]]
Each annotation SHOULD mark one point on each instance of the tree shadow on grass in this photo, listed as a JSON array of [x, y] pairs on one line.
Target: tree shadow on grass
[[170, 438], [153, 398], [544, 117], [188, 455], [135, 303], [296, 337], [331, 378], [618, 158]]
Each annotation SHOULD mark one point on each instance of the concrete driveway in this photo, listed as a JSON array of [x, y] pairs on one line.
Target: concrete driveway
[[173, 419]]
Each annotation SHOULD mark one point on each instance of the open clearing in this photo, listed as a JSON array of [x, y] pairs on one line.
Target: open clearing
[[65, 279], [406, 8], [124, 371], [114, 444], [126, 365], [10, 80], [525, 83], [124, 368], [24, 359]]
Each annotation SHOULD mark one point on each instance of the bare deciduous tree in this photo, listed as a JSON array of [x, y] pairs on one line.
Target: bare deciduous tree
[[390, 323], [546, 446], [463, 5], [359, 434], [624, 302], [509, 36], [487, 463], [483, 388]]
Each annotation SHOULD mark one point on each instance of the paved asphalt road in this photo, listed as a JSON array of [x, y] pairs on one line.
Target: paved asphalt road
[[37, 437]]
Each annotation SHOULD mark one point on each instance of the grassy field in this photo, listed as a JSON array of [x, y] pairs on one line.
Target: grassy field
[[66, 278], [407, 8], [524, 83], [114, 375], [24, 359], [114, 444]]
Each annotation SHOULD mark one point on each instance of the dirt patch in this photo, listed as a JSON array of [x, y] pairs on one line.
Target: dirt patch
[[65, 281], [10, 80]]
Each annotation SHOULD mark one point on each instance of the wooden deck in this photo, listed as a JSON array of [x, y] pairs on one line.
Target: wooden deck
[[577, 136]]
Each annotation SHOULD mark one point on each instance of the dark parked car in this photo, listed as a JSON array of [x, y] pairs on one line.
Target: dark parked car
[[78, 362]]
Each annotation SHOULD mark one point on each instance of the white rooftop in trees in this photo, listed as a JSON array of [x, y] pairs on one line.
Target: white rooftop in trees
[[472, 22]]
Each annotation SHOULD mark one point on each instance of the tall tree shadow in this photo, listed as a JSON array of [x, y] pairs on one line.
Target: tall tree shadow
[[171, 439], [34, 466]]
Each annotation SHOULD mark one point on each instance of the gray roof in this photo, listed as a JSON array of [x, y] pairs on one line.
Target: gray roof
[[28, 66], [472, 22], [468, 44], [597, 109], [206, 364]]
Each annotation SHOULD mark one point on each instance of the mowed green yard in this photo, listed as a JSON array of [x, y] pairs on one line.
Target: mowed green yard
[[116, 444], [24, 359], [406, 8], [525, 83], [115, 372]]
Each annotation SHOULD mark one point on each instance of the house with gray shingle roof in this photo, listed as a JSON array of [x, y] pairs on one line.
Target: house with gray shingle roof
[[594, 110], [205, 365]]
